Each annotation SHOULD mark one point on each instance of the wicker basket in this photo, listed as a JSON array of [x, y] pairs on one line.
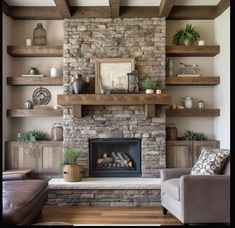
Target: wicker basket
[[73, 173]]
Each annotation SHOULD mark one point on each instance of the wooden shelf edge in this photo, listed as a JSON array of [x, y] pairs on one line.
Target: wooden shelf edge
[[192, 81], [35, 81], [34, 113], [192, 112], [35, 51], [194, 51]]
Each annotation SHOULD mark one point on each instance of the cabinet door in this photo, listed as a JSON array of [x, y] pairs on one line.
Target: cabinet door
[[52, 158], [23, 156], [179, 154], [198, 145]]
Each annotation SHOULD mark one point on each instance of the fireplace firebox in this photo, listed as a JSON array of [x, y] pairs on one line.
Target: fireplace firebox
[[114, 157]]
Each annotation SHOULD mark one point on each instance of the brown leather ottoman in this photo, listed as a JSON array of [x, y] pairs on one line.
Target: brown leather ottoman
[[23, 200]]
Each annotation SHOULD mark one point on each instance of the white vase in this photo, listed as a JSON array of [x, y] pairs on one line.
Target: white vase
[[188, 102], [53, 71], [149, 91]]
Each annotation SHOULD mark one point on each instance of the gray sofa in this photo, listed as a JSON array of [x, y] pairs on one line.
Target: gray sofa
[[196, 199]]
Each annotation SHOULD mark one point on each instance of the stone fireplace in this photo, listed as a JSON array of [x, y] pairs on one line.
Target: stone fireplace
[[114, 157], [140, 38]]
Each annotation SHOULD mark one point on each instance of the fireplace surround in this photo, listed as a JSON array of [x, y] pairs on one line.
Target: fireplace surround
[[114, 157]]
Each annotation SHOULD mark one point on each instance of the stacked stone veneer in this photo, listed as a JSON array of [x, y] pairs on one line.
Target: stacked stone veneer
[[139, 38], [103, 197]]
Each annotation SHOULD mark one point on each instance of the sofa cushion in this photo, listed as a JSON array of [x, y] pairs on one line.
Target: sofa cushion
[[171, 187], [210, 162], [20, 198]]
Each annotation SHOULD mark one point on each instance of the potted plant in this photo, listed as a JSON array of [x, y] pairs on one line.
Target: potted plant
[[149, 84], [72, 171], [186, 36], [193, 136], [31, 137]]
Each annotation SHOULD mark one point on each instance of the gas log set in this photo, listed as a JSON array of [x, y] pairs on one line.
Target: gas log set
[[115, 160]]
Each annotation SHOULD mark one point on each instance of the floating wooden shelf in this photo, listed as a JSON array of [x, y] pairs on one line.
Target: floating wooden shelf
[[34, 81], [192, 112], [187, 51], [34, 113], [35, 51], [149, 100], [189, 81]]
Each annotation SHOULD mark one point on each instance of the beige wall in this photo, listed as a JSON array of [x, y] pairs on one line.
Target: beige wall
[[7, 69], [222, 68], [21, 30], [206, 65]]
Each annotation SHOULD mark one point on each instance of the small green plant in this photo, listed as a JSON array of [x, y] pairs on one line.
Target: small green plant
[[186, 36], [193, 136], [33, 70], [70, 156], [149, 83], [32, 136]]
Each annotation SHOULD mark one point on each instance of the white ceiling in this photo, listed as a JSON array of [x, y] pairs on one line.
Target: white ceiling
[[106, 2]]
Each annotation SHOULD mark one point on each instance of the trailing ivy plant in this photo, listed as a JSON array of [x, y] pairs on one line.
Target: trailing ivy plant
[[186, 36], [31, 137], [193, 136]]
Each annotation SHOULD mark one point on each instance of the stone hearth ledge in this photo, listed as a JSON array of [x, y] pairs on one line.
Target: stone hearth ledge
[[107, 183]]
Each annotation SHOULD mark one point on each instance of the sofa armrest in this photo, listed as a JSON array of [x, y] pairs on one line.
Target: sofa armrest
[[205, 198], [13, 176], [170, 173]]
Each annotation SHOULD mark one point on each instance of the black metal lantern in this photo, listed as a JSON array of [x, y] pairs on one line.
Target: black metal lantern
[[39, 35], [133, 82]]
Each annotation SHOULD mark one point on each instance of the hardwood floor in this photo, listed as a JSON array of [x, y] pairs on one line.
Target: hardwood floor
[[106, 215]]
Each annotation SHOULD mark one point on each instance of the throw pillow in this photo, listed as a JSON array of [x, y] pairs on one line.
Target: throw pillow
[[210, 162]]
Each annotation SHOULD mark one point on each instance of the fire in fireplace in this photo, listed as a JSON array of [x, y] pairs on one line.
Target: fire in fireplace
[[114, 157]]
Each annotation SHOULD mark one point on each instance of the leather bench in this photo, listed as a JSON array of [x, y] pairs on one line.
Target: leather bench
[[23, 199]]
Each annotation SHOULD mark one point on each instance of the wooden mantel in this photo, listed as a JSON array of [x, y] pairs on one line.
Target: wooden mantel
[[149, 100]]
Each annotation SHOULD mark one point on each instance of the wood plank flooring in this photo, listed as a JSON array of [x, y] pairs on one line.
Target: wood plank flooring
[[106, 215]]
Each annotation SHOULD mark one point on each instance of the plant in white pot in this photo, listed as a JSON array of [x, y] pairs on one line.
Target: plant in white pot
[[186, 36], [149, 84], [72, 171]]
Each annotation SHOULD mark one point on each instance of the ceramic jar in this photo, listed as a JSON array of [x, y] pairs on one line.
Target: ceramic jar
[[200, 104], [57, 132], [188, 102], [77, 84]]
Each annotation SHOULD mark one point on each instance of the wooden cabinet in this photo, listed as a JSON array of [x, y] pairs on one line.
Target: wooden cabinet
[[45, 157], [183, 154]]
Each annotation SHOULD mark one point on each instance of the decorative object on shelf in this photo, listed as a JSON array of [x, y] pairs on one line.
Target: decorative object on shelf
[[39, 35], [200, 104], [28, 42], [171, 132], [57, 132], [188, 70], [193, 136], [77, 84], [41, 96], [186, 36], [53, 71], [28, 104], [111, 74], [31, 137], [180, 107], [72, 171], [174, 106], [149, 85], [201, 43], [133, 82], [33, 72], [169, 67], [188, 102]]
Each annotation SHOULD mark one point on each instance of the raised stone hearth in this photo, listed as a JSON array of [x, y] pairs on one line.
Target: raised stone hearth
[[105, 192]]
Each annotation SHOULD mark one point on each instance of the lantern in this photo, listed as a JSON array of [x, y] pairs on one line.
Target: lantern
[[133, 82]]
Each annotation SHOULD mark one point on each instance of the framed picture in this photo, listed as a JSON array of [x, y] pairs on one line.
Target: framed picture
[[111, 74]]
